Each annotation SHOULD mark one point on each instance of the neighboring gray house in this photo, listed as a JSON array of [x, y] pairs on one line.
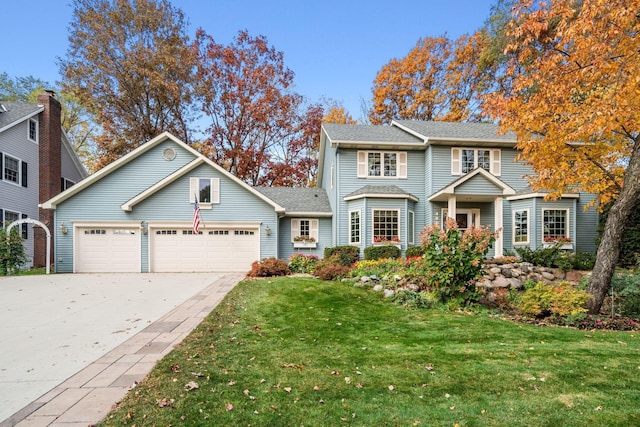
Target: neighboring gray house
[[377, 185], [36, 163]]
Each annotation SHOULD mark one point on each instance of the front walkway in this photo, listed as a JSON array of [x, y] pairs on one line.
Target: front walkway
[[86, 397]]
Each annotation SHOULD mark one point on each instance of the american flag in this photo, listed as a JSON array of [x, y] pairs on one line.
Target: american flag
[[196, 216]]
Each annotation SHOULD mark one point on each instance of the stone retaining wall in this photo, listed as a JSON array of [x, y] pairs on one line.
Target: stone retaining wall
[[514, 275]]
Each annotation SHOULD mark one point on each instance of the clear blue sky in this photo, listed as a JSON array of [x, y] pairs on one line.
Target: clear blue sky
[[334, 47]]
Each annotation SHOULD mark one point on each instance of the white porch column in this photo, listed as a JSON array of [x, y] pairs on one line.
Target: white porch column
[[451, 206], [498, 246]]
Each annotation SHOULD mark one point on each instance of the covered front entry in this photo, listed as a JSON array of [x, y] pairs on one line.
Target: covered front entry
[[101, 249], [213, 249]]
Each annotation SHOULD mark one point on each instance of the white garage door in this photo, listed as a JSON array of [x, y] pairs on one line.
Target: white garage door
[[215, 250], [101, 250]]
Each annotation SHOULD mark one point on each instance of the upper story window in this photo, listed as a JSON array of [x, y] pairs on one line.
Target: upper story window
[[13, 170], [384, 164], [33, 130], [465, 160], [206, 189]]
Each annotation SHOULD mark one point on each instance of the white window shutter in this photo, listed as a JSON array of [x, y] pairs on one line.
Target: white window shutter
[[402, 165], [295, 228], [215, 190], [314, 226], [495, 162], [193, 189], [362, 164], [455, 161]]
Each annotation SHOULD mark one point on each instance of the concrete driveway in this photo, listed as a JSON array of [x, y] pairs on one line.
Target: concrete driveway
[[53, 327]]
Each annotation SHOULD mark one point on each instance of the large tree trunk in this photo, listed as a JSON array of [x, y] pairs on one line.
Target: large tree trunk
[[609, 248]]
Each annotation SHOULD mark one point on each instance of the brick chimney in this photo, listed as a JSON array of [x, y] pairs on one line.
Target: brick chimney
[[50, 145]]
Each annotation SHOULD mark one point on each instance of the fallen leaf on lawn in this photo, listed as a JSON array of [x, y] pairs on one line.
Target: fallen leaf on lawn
[[321, 401], [163, 403], [344, 419], [191, 385], [598, 408], [287, 389], [429, 367], [175, 368], [335, 372], [452, 407], [416, 423], [391, 388], [262, 381], [347, 380], [246, 392], [230, 383], [196, 374], [229, 407], [256, 412], [316, 388], [289, 365], [447, 395], [358, 385]]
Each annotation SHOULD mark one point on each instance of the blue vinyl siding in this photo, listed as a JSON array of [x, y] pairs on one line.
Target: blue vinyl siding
[[586, 224], [285, 246], [102, 200]]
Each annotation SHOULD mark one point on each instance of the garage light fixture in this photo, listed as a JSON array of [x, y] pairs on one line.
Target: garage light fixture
[[143, 227], [267, 231], [63, 228]]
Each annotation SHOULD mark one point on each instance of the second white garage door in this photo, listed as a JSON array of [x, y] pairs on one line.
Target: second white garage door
[[215, 250]]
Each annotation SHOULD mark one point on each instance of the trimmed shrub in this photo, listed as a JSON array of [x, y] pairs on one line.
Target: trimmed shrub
[[12, 255], [625, 287], [560, 299], [269, 267], [301, 263], [327, 271], [345, 255], [381, 252], [414, 251]]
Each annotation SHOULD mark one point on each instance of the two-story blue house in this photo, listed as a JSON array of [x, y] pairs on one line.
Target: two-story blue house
[[376, 185], [388, 182]]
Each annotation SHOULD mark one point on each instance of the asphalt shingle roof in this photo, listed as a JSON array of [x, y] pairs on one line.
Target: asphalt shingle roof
[[380, 190], [455, 130], [312, 200], [368, 133], [15, 111]]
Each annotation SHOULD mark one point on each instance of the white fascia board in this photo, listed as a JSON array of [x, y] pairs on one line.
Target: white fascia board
[[380, 196], [542, 195], [22, 119]]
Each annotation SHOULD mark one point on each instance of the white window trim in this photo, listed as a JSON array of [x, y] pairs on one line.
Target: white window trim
[[215, 191], [513, 222], [363, 164], [37, 138], [411, 227], [314, 228], [359, 229], [4, 165], [495, 160], [373, 210], [567, 231], [471, 212]]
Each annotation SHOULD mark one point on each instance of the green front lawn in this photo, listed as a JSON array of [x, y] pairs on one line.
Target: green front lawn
[[297, 351]]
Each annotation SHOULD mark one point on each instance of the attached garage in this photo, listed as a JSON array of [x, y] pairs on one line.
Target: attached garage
[[219, 248], [100, 249]]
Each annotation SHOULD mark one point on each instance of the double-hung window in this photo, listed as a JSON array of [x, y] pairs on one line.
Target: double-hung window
[[207, 190], [383, 164], [521, 226], [13, 170], [33, 130], [305, 231], [465, 160], [354, 227]]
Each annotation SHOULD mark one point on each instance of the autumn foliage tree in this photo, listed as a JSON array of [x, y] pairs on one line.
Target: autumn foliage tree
[[574, 102], [260, 130], [439, 79], [130, 64]]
